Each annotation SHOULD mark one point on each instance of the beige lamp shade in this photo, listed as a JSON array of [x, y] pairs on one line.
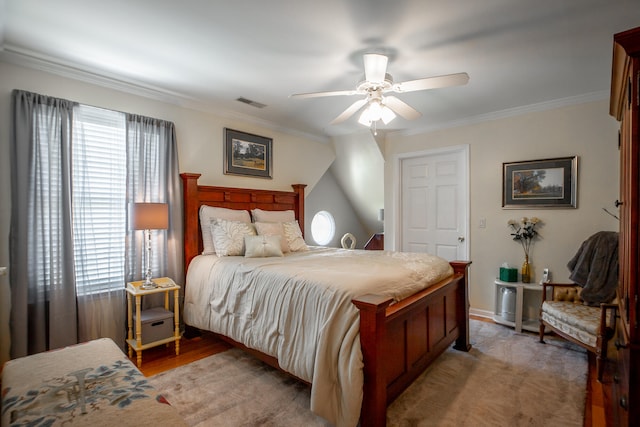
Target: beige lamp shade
[[150, 216]]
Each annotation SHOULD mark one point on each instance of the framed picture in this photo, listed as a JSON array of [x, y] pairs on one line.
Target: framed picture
[[247, 154], [548, 183]]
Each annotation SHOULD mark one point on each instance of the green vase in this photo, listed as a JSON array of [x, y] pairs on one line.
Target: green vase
[[526, 270]]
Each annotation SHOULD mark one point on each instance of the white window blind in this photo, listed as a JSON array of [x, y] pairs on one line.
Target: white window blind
[[99, 199]]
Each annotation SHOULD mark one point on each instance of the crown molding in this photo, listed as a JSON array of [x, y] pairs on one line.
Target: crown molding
[[512, 112], [44, 63], [47, 64]]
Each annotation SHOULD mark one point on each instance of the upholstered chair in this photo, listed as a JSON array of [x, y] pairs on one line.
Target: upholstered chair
[[566, 314]]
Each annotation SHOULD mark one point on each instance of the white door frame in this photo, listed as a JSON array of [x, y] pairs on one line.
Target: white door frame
[[396, 241]]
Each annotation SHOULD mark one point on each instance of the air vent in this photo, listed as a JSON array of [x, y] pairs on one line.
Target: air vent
[[250, 102]]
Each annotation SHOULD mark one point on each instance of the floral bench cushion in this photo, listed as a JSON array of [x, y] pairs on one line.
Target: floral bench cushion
[[576, 320], [86, 384]]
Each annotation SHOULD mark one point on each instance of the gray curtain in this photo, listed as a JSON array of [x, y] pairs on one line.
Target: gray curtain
[[43, 313], [153, 176]]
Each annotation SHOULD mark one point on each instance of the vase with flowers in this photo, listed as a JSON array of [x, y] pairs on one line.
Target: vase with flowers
[[524, 232]]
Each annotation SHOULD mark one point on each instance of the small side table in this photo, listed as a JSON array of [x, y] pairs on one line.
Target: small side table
[[528, 297], [134, 289]]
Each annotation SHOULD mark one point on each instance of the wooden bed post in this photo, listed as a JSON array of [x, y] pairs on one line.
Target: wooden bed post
[[463, 343], [372, 340], [191, 207], [299, 189]]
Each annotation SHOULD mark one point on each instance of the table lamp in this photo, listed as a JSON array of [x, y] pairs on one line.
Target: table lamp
[[147, 217]]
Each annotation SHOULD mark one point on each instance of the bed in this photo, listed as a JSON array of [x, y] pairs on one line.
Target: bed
[[397, 337]]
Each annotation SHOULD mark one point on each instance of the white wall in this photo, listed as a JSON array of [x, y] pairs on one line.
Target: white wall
[[585, 130], [200, 149], [359, 169], [328, 195]]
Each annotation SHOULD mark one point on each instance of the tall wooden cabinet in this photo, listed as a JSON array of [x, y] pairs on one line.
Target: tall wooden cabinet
[[625, 107]]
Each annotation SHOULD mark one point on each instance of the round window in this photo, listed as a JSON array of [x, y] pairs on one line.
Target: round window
[[323, 227]]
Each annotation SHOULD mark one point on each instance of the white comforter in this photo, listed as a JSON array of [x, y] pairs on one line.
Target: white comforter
[[298, 309]]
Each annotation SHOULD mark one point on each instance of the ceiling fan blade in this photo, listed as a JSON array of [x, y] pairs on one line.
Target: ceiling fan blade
[[375, 67], [431, 83], [402, 108], [319, 94], [350, 111]]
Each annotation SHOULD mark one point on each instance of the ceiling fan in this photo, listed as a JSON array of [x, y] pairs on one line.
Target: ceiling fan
[[375, 86]]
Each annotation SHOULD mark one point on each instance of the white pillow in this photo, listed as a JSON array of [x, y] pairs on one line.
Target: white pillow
[[293, 235], [260, 215], [210, 213], [228, 236], [262, 246], [273, 229]]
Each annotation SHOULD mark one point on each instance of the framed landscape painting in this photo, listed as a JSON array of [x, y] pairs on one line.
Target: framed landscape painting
[[247, 154], [547, 183]]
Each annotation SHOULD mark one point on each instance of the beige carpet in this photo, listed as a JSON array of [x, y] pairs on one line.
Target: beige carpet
[[507, 379]]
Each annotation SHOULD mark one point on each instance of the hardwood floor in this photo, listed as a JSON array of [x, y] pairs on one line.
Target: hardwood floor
[[596, 414], [163, 358]]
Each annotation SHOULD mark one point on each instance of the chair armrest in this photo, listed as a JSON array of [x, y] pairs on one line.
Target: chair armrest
[[604, 307], [607, 306]]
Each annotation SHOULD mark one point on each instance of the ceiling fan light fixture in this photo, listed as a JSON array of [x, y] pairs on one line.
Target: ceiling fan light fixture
[[375, 111], [387, 115], [364, 118]]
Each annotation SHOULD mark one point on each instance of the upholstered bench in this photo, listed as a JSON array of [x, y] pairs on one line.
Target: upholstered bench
[[567, 315], [89, 384]]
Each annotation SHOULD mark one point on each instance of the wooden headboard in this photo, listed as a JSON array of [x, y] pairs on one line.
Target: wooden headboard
[[195, 195]]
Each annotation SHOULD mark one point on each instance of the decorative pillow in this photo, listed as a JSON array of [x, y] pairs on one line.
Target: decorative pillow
[[208, 214], [293, 235], [273, 229], [228, 236], [260, 215], [262, 246]]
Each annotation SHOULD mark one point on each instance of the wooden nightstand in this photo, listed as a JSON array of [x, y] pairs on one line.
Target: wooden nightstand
[[134, 289]]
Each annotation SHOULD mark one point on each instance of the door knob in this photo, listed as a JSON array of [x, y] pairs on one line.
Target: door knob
[[461, 239]]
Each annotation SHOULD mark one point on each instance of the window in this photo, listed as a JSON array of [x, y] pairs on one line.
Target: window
[[323, 228], [98, 187], [79, 168], [99, 198]]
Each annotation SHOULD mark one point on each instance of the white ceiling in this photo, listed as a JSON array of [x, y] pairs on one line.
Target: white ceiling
[[519, 54]]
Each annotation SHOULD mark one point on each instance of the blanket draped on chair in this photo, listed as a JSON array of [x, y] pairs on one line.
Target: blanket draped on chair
[[595, 267]]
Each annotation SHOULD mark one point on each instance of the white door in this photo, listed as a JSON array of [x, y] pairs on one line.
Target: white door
[[434, 204]]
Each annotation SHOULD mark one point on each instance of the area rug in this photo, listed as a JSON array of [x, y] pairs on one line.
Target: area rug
[[507, 379]]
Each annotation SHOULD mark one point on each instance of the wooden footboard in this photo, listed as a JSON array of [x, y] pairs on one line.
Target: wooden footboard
[[399, 341]]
